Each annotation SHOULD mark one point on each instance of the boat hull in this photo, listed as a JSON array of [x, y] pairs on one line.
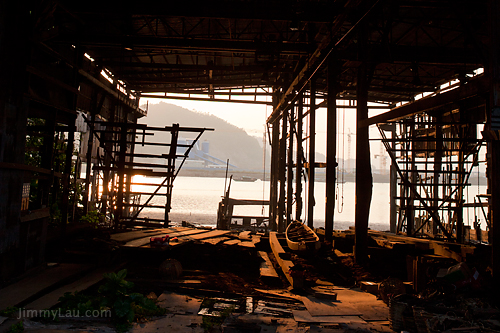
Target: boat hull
[[300, 237]]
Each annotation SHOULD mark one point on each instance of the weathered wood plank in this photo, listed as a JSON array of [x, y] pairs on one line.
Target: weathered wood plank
[[320, 307], [266, 268], [145, 240], [209, 234], [21, 291], [305, 317], [131, 235], [52, 298], [277, 251], [215, 241]]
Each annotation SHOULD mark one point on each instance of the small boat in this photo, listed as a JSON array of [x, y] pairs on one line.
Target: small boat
[[300, 237], [244, 179]]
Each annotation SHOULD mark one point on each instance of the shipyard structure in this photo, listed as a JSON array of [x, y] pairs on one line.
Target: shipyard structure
[[424, 74]]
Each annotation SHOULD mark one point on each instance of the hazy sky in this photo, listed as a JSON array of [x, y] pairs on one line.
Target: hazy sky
[[252, 118]]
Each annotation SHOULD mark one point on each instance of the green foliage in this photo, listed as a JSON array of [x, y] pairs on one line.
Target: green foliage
[[34, 144], [16, 328], [114, 295], [10, 311], [78, 301], [92, 217]]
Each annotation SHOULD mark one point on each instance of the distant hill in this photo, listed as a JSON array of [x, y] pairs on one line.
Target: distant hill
[[226, 141]]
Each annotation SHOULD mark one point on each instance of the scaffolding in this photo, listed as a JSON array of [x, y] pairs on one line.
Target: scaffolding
[[434, 156], [115, 192]]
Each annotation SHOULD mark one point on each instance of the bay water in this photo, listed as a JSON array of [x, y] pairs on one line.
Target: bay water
[[196, 199]]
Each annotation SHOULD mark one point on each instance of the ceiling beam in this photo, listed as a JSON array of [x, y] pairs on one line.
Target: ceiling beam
[[129, 44], [476, 86], [310, 11]]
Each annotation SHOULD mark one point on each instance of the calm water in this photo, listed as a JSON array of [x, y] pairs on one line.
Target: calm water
[[195, 199]]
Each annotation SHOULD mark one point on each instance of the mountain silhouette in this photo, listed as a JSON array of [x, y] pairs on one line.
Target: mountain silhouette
[[225, 142]]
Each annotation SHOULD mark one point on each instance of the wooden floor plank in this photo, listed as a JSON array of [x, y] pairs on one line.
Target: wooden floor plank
[[266, 268], [145, 240], [209, 234], [215, 241], [52, 298], [320, 307], [131, 235], [20, 291]]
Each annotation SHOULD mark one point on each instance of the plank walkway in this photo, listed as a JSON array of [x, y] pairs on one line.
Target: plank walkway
[[85, 282], [22, 291], [140, 239]]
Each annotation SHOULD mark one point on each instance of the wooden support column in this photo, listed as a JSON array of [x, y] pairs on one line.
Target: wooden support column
[[393, 186], [273, 191], [65, 209], [364, 180], [90, 147], [312, 153], [289, 170], [47, 153], [438, 157], [171, 170], [459, 210], [299, 160], [282, 173], [66, 179], [273, 196], [121, 176], [493, 127], [107, 175], [15, 52], [331, 150], [410, 205], [130, 159]]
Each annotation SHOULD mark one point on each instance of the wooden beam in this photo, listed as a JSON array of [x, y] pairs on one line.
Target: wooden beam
[[331, 150], [476, 86], [364, 180], [312, 154]]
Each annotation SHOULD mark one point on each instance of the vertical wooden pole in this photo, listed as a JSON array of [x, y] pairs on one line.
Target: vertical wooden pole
[[299, 159], [121, 176], [438, 157], [273, 192], [66, 179], [289, 170], [410, 204], [364, 180], [282, 173], [130, 158], [331, 150], [90, 147], [312, 153], [273, 196], [493, 126], [393, 185], [171, 171]]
